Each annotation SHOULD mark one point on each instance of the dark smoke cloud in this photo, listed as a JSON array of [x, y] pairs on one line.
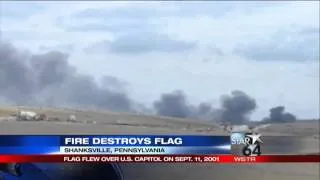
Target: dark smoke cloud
[[48, 79], [204, 108], [235, 107], [173, 104], [278, 115]]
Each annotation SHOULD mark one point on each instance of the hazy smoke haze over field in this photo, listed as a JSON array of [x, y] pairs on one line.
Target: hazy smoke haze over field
[[49, 80]]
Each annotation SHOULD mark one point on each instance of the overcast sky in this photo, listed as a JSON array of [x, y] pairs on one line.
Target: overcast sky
[[270, 50]]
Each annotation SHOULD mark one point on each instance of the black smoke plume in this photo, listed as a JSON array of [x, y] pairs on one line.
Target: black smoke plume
[[173, 104], [278, 115], [235, 107], [48, 79]]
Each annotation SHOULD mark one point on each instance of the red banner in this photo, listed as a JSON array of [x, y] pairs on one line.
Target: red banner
[[160, 158]]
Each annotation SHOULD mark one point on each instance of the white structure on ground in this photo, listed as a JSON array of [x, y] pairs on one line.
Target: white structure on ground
[[26, 115], [72, 118], [244, 128]]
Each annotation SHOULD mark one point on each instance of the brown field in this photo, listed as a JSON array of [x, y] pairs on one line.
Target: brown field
[[94, 122]]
